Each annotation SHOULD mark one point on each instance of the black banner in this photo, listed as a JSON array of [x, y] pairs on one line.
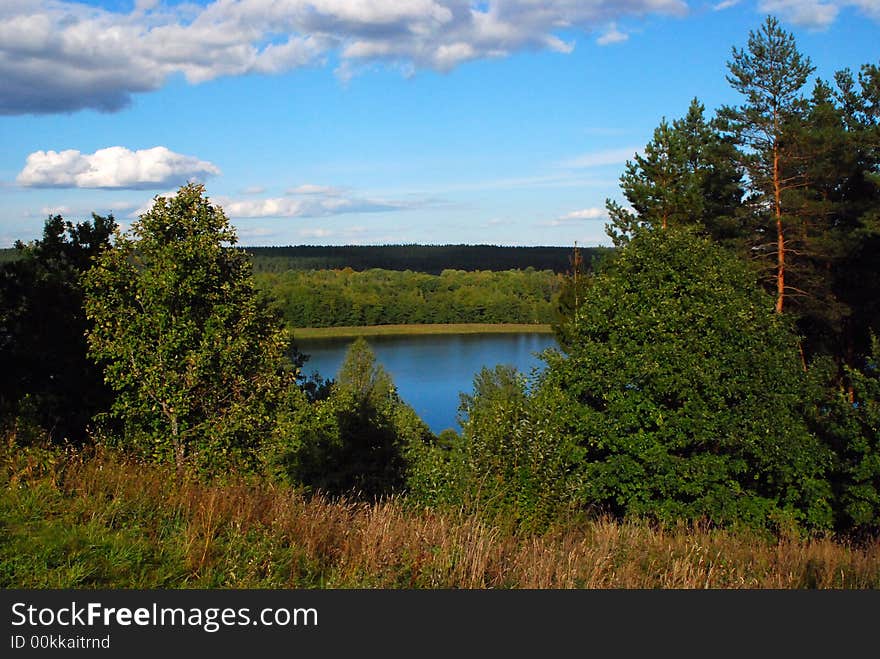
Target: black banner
[[409, 622]]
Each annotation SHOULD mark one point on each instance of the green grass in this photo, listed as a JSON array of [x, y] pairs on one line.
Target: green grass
[[421, 329], [101, 520]]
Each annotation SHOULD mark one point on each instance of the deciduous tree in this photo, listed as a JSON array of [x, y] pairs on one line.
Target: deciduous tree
[[194, 353], [684, 390]]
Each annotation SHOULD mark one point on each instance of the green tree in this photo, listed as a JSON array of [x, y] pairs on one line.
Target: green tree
[[770, 74], [684, 391], [195, 355], [517, 466], [48, 381], [688, 175], [852, 183], [359, 440], [849, 421]]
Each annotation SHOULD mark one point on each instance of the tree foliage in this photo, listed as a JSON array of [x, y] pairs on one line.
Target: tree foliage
[[427, 259], [194, 353], [688, 176], [330, 298], [357, 441], [770, 74], [849, 421], [511, 464], [48, 381], [685, 392]]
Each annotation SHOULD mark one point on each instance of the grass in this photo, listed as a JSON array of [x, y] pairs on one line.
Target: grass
[[100, 521], [418, 329]]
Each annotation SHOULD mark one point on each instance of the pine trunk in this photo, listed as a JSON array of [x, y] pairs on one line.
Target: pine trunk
[[780, 233]]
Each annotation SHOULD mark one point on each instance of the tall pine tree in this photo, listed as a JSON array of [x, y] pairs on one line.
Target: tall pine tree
[[770, 74]]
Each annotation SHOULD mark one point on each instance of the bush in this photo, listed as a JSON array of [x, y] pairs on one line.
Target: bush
[[358, 441]]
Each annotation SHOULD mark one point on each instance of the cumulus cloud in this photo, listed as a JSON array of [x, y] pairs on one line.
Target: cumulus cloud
[[113, 167], [67, 55]]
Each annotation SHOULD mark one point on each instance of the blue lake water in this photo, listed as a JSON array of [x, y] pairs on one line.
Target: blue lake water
[[431, 371]]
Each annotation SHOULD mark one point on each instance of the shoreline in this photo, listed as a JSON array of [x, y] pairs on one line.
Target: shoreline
[[351, 332]]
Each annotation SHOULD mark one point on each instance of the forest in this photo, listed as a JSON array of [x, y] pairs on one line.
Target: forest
[[716, 384], [329, 298], [429, 259]]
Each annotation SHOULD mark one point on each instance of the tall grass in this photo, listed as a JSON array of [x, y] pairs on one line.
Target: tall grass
[[77, 520]]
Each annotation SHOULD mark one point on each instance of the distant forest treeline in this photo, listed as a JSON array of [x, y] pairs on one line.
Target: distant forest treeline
[[355, 285], [430, 259], [332, 298]]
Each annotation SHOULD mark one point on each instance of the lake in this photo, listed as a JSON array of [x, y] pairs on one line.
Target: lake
[[431, 370]]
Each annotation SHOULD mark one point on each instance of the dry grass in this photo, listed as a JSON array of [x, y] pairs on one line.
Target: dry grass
[[243, 535]]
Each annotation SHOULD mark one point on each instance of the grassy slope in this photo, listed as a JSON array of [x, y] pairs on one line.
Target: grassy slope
[[66, 522]]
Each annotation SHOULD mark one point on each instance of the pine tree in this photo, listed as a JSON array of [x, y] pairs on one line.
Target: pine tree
[[688, 175], [770, 73]]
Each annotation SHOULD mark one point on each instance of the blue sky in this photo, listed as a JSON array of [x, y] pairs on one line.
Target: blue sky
[[354, 122]]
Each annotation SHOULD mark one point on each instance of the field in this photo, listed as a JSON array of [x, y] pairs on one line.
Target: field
[[75, 521]]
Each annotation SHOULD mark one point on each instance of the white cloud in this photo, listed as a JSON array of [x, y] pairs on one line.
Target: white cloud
[[869, 7], [66, 55], [600, 158], [807, 13], [315, 233], [578, 216], [815, 14], [725, 4], [585, 214], [69, 55], [313, 204], [113, 167], [612, 35], [328, 201]]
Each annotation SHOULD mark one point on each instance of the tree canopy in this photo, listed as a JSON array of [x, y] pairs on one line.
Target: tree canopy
[[48, 381], [194, 353], [685, 392]]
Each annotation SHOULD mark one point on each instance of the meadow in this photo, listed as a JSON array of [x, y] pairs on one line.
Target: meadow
[[82, 520]]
